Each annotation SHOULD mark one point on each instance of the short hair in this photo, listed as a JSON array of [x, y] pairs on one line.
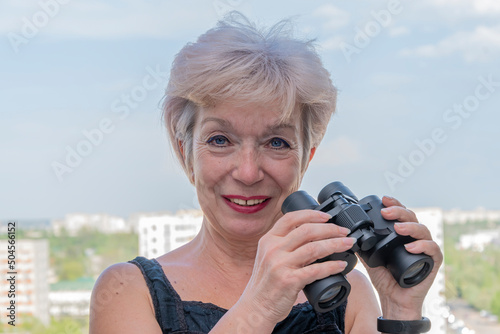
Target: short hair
[[238, 62]]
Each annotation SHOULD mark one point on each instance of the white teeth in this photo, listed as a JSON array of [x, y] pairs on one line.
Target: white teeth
[[250, 202]]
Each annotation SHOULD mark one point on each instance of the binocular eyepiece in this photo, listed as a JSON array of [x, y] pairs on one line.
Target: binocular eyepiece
[[377, 243]]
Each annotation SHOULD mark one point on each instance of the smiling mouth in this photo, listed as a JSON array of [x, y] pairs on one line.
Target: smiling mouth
[[250, 202]]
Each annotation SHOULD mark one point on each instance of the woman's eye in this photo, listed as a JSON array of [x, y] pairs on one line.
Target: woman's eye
[[278, 143], [218, 140]]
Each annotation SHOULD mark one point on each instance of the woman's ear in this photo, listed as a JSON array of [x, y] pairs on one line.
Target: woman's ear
[[311, 154], [180, 145]]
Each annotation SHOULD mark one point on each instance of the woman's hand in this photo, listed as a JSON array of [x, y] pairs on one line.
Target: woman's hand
[[405, 303], [284, 261]]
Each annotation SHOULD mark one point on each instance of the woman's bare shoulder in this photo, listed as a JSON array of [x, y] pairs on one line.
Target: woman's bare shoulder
[[119, 276], [357, 277], [121, 302]]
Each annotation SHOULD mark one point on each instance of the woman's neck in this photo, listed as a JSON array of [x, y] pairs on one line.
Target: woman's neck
[[227, 255]]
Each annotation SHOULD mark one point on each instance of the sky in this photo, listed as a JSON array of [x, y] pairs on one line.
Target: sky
[[82, 82]]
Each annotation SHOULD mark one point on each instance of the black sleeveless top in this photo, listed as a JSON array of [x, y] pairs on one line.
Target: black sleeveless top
[[191, 317]]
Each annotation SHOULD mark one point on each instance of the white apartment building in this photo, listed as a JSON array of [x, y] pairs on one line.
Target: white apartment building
[[162, 233], [71, 298], [479, 240], [435, 302], [457, 216], [31, 279], [104, 223]]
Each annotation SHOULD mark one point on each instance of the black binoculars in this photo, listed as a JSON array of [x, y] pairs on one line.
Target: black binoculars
[[377, 243]]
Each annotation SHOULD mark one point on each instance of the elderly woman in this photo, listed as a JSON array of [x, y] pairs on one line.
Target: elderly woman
[[245, 110]]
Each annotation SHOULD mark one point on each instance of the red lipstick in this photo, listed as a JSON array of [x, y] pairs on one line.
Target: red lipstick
[[246, 209]]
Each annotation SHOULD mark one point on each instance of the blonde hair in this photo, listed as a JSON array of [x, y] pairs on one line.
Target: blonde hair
[[238, 62]]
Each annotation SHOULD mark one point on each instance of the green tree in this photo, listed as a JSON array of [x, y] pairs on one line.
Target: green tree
[[495, 304], [32, 325], [469, 274]]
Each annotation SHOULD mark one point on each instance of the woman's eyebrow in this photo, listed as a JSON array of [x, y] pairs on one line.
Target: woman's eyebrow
[[280, 127], [222, 122]]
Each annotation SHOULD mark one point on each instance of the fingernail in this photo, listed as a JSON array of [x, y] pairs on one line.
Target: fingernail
[[410, 246], [325, 215], [349, 241], [400, 226], [389, 197], [344, 230], [386, 210], [343, 264]]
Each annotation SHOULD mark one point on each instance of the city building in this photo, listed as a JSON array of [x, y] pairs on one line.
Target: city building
[[457, 216], [71, 298], [104, 223], [479, 240], [30, 279], [435, 302], [162, 233]]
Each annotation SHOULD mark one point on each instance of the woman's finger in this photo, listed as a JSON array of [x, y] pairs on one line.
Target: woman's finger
[[414, 230], [391, 201], [310, 252], [307, 233], [399, 213], [428, 247], [292, 220], [317, 271]]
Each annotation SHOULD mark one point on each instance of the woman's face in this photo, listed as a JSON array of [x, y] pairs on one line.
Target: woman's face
[[245, 164]]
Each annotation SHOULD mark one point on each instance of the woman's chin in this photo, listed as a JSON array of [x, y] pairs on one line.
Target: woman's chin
[[248, 230]]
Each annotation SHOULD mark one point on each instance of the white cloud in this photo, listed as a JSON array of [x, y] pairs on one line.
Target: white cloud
[[486, 6], [334, 17], [339, 151], [429, 15], [331, 19], [97, 19], [481, 44], [332, 43], [458, 9], [468, 6], [398, 31]]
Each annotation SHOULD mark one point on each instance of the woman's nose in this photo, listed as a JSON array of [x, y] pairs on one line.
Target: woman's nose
[[248, 168]]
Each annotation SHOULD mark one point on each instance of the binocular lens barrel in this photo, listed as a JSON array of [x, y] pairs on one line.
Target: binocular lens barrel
[[299, 200], [332, 188], [328, 293], [409, 269], [414, 271]]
